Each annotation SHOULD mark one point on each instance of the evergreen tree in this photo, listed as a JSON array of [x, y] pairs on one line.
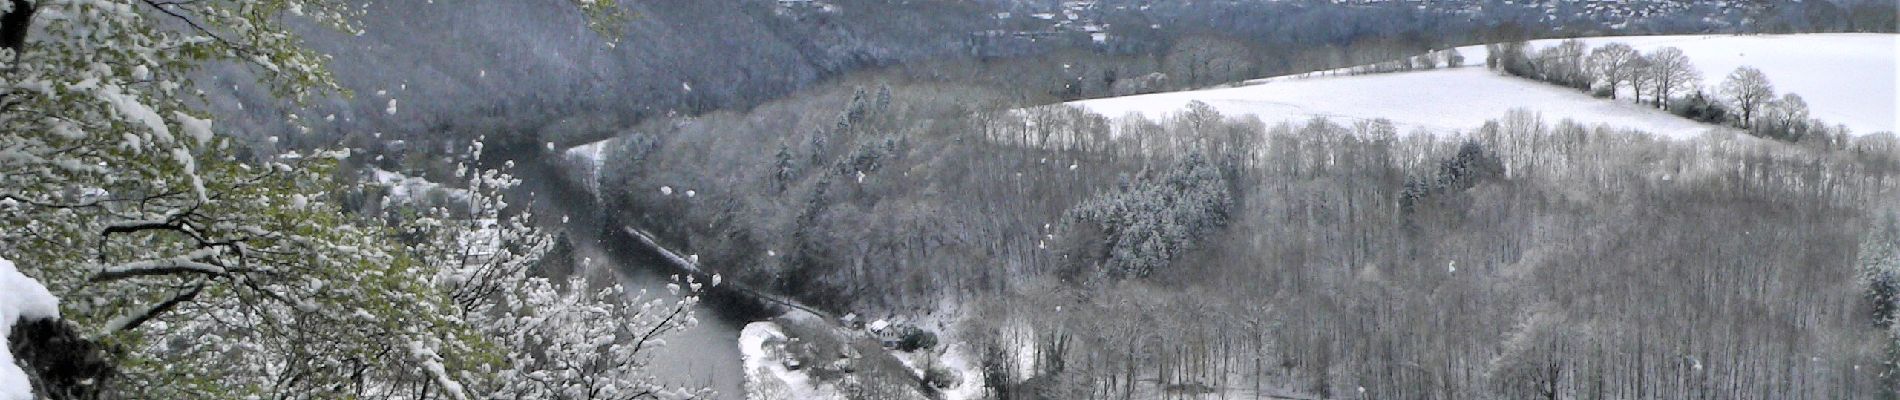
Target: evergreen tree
[[783, 171], [1148, 224]]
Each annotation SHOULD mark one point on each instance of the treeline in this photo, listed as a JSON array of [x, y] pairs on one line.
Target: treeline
[[529, 72], [1744, 99], [1448, 58], [522, 72], [1197, 44], [1150, 47]]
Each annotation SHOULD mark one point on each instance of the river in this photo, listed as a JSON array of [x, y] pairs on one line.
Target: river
[[705, 355]]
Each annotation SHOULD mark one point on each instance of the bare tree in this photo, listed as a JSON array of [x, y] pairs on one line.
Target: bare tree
[[1670, 71], [1640, 79], [1784, 118], [1203, 60], [1610, 64], [1564, 64], [1747, 89]]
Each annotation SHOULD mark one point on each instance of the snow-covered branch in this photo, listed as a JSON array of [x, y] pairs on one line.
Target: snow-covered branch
[[133, 320], [165, 266]]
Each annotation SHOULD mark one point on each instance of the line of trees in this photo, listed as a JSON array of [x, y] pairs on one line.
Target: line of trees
[[468, 82], [1448, 58], [1665, 78]]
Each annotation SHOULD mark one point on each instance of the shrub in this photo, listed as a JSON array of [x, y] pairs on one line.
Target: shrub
[[937, 376], [911, 338], [1700, 108]]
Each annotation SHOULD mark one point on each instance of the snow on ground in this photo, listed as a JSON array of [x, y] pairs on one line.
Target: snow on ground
[[1440, 101], [952, 353], [1845, 78], [766, 378], [407, 189], [956, 357], [591, 153], [961, 358], [588, 158], [21, 298]]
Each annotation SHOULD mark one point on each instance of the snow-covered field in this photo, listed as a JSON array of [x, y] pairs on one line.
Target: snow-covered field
[[1845, 78], [1440, 101]]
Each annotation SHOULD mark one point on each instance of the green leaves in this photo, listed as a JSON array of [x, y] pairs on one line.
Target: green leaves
[[216, 276], [605, 17]]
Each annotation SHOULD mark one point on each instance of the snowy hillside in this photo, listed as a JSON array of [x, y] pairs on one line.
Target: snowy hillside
[[1846, 78]]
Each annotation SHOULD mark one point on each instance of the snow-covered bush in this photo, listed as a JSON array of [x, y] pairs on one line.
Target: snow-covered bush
[[547, 337], [941, 377], [913, 338]]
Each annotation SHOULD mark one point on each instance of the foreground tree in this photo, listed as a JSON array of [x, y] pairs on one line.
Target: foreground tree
[[212, 276], [555, 344]]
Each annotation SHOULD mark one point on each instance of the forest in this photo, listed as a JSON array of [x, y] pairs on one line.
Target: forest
[[310, 199], [1521, 259]]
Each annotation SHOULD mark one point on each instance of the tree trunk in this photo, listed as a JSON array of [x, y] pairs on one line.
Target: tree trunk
[[59, 361], [14, 24]]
